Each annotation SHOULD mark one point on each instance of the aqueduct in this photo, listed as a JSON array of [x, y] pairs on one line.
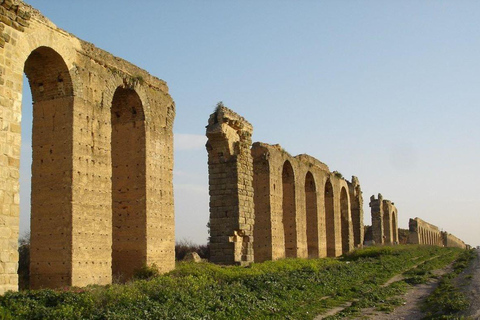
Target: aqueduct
[[424, 233], [96, 206], [266, 204]]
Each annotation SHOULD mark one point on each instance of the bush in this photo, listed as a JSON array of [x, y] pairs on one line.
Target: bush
[[146, 272]]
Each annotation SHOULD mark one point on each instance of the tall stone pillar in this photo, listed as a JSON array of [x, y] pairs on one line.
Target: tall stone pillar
[[230, 168], [376, 206], [356, 207]]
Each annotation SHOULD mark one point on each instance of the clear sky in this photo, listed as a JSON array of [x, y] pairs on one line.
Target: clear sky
[[388, 91]]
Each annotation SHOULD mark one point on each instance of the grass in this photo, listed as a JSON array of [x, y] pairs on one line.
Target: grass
[[285, 289]]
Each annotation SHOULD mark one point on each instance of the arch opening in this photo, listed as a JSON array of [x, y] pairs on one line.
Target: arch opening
[[289, 211], [330, 219], [128, 184], [51, 170], [312, 216]]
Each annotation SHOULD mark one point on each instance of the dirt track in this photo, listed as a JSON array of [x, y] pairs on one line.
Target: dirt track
[[468, 281]]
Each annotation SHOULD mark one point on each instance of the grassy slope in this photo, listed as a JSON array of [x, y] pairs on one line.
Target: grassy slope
[[286, 289]]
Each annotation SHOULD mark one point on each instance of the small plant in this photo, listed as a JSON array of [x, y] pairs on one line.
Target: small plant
[[337, 174], [146, 272], [219, 106]]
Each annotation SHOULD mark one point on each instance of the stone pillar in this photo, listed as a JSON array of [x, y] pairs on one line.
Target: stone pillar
[[376, 206], [413, 232], [230, 168], [356, 205]]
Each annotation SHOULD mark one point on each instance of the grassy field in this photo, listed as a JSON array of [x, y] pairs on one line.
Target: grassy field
[[286, 289]]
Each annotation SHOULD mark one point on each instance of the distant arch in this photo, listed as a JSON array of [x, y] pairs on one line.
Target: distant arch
[[289, 210], [312, 216], [330, 219]]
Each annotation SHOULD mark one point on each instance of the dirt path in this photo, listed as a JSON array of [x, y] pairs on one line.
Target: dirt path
[[411, 309], [469, 282]]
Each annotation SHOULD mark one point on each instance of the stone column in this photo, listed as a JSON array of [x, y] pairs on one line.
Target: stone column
[[376, 206], [230, 168]]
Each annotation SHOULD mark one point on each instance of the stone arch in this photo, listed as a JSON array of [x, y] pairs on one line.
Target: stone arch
[[289, 210], [312, 216], [128, 152], [330, 219], [345, 220], [52, 168]]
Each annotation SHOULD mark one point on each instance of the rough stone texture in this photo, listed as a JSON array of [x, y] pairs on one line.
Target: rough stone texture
[[230, 170], [424, 233], [85, 134], [384, 220], [301, 209]]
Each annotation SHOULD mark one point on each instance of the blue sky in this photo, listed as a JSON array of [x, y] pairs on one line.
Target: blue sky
[[388, 91]]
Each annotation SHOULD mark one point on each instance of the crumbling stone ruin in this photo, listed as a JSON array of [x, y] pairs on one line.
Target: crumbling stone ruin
[[102, 194], [296, 208], [384, 220], [230, 169], [424, 233]]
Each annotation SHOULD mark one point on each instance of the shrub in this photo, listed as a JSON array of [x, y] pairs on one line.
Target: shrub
[[146, 272]]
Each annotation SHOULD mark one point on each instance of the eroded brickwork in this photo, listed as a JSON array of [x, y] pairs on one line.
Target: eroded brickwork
[[301, 209], [230, 170], [76, 149], [384, 220]]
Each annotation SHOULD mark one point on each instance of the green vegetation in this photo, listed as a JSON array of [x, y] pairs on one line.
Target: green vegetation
[[447, 300], [286, 289], [385, 298]]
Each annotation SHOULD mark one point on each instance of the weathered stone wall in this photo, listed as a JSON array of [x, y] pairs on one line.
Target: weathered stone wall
[[384, 220], [424, 233], [301, 209], [75, 142], [230, 170], [449, 240]]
